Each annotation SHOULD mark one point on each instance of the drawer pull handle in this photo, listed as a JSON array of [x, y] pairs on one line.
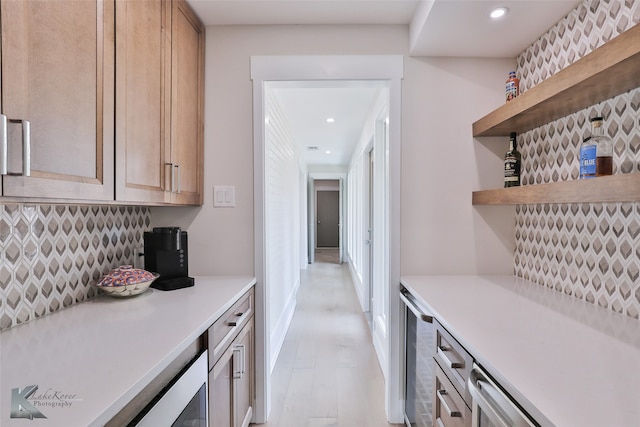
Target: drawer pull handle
[[442, 352], [447, 404], [237, 322]]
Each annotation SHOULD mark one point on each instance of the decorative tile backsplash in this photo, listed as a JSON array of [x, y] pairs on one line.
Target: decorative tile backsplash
[[50, 255], [588, 26], [589, 251]]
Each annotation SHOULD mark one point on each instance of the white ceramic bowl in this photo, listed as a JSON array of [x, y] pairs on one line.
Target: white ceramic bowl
[[126, 281]]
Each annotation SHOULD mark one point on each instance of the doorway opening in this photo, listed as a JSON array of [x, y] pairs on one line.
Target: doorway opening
[[275, 299], [328, 214]]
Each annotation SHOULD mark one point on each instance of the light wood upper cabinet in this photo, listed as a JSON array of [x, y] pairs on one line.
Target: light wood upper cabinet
[[187, 104], [57, 74], [159, 103], [143, 55]]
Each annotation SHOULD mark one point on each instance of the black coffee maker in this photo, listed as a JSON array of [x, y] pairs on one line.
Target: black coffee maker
[[165, 253]]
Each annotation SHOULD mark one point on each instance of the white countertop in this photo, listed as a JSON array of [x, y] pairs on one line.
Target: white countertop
[[567, 362], [106, 350]]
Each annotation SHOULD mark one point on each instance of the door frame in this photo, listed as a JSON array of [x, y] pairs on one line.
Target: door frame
[[389, 68]]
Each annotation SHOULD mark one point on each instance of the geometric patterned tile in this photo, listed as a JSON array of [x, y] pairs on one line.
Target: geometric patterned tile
[[50, 255], [596, 246]]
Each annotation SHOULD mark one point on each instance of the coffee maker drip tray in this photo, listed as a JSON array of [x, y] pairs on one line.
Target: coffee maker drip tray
[[171, 284]]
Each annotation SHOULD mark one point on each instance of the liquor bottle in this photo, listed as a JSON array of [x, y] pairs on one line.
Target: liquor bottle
[[587, 158], [604, 148], [513, 86], [512, 163]]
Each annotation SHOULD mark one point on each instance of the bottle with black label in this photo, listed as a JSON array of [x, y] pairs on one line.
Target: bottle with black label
[[512, 163]]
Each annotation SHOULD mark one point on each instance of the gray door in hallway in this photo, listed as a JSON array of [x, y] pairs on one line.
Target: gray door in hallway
[[328, 219]]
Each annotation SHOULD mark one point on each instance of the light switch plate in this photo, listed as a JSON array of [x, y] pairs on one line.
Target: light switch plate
[[224, 196]]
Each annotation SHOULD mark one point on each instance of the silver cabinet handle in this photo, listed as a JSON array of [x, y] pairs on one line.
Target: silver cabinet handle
[[171, 177], [241, 318], [407, 299], [26, 146], [493, 403], [179, 178], [3, 145], [447, 404], [243, 356], [237, 373], [442, 352]]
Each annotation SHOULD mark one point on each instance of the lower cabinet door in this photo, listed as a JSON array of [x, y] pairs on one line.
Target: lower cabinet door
[[221, 391], [231, 383], [244, 389]]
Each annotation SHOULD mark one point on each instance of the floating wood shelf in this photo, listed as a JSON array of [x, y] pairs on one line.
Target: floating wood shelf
[[608, 71], [607, 189]]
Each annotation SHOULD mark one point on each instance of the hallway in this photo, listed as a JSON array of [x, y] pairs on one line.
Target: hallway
[[327, 373]]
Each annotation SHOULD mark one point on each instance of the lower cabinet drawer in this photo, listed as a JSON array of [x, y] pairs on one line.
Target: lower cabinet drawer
[[227, 327], [454, 361], [449, 408]]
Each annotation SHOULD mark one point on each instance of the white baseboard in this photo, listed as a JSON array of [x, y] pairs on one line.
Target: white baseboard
[[359, 286], [279, 332], [379, 344]]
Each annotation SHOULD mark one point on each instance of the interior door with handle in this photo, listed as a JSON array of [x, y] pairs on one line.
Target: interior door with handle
[[328, 218]]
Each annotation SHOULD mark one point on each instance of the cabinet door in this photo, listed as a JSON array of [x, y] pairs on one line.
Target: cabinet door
[[244, 387], [187, 105], [58, 74], [143, 81], [221, 387]]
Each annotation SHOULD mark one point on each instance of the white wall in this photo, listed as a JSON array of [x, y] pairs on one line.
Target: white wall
[[282, 207], [442, 233]]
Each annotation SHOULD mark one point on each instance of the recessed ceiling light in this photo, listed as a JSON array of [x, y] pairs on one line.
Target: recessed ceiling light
[[498, 12], [330, 120], [327, 152]]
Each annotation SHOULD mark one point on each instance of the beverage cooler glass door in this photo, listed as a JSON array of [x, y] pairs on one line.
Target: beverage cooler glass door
[[184, 403], [419, 363], [491, 406]]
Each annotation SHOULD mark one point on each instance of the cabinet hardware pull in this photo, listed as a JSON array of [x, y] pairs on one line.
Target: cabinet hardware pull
[[408, 300], [237, 374], [242, 359], [171, 177], [179, 179], [241, 317], [26, 147], [442, 352], [3, 144], [444, 399]]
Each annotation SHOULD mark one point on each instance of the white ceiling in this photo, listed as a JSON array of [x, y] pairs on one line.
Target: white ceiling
[[436, 28], [307, 106]]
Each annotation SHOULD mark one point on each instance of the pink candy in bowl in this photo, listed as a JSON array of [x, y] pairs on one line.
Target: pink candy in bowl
[[126, 281]]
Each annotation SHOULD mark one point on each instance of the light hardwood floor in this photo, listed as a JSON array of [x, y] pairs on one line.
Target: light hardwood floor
[[327, 373]]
